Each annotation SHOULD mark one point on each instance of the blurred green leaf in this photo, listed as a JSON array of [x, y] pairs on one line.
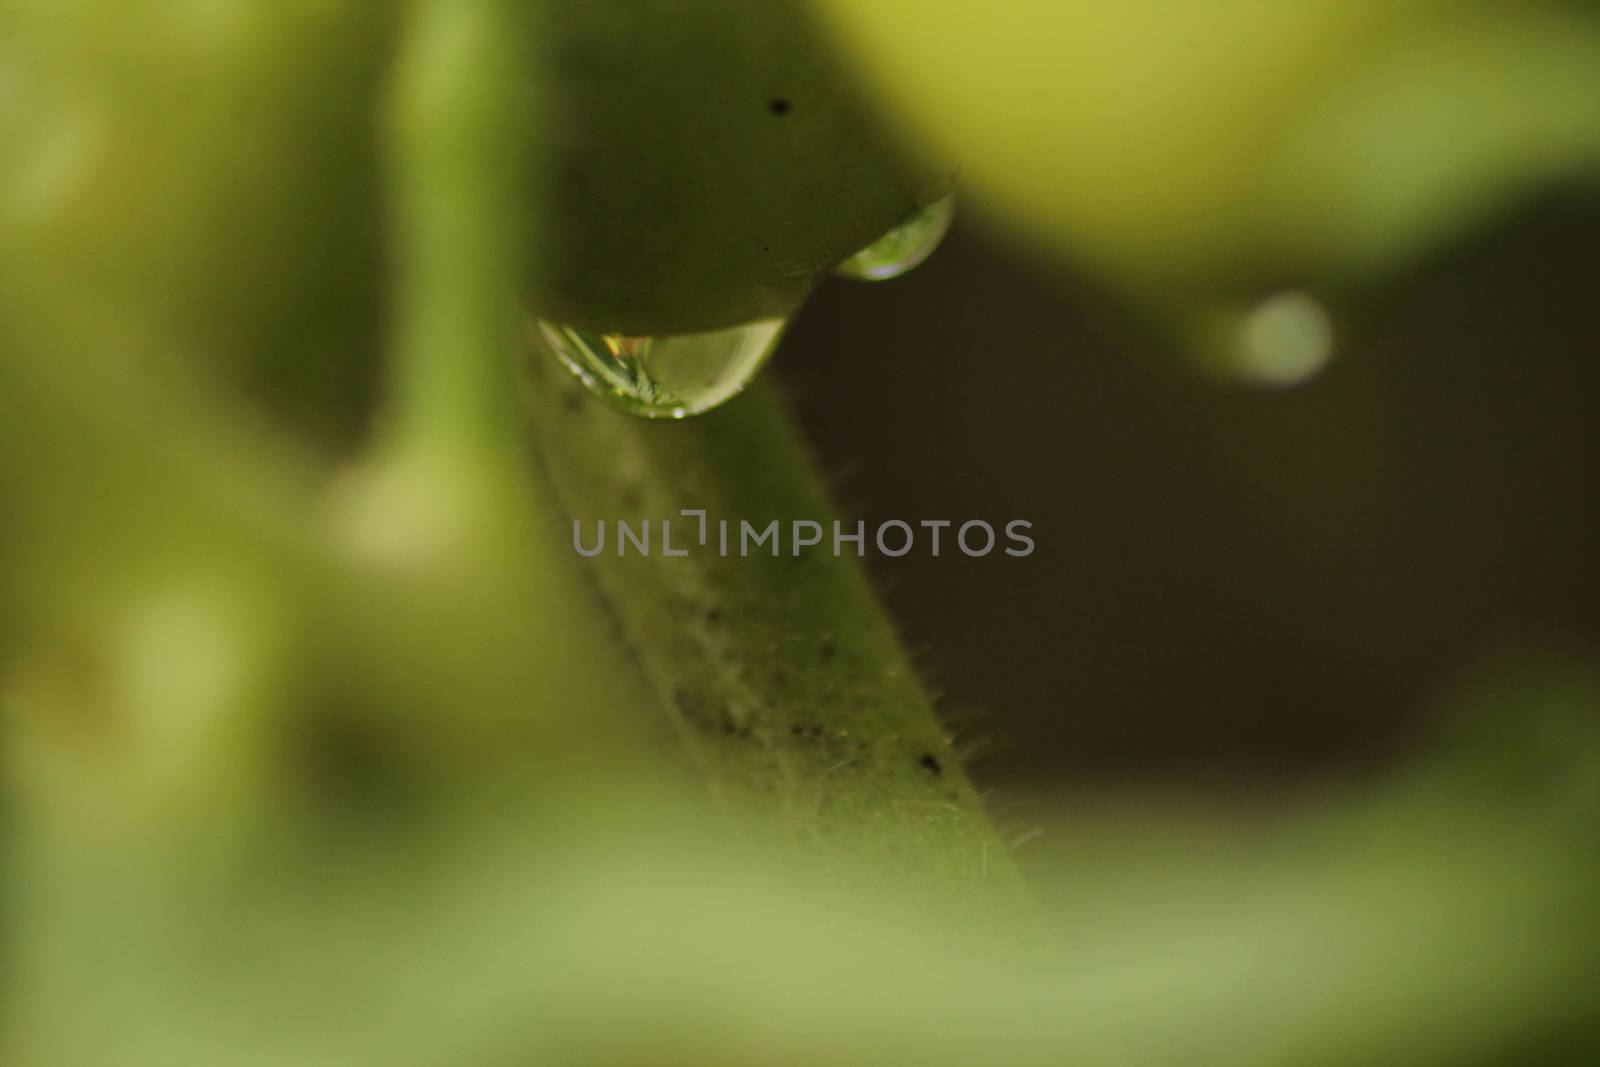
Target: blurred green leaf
[[1240, 142]]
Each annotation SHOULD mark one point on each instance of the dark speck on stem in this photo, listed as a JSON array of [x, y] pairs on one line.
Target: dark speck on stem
[[779, 106]]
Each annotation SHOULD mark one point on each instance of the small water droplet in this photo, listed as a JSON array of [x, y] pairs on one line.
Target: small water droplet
[[903, 248], [666, 377], [1285, 340]]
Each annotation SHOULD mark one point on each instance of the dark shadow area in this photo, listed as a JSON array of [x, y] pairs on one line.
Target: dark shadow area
[[1227, 582]]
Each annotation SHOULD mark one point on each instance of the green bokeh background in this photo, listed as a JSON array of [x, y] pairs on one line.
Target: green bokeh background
[[321, 746]]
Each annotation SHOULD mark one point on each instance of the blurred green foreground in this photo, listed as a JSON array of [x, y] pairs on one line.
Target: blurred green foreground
[[321, 746]]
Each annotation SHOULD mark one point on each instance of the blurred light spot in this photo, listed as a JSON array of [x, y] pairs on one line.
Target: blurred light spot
[[55, 170], [187, 660], [1285, 340]]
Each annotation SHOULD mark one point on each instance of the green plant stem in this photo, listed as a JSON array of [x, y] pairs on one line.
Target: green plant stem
[[459, 130], [783, 675]]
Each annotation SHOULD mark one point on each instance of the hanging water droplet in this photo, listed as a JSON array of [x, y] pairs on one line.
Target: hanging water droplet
[[667, 377], [1285, 340], [903, 248]]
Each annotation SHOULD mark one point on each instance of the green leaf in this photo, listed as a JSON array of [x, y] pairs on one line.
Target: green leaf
[[1242, 142]]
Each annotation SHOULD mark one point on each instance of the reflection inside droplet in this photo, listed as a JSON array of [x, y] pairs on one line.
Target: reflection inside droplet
[[903, 248], [1285, 340], [666, 377]]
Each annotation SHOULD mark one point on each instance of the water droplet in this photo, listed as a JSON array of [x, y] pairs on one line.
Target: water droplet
[[1285, 340], [903, 248], [667, 377]]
